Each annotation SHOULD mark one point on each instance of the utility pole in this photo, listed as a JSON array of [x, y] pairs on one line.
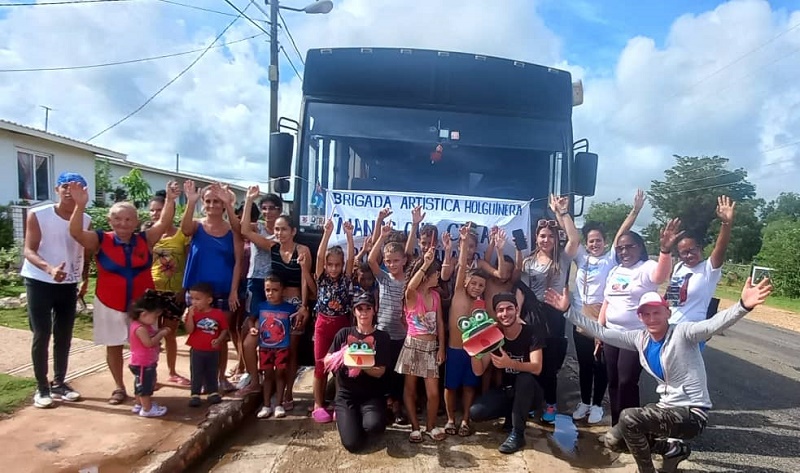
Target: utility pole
[[46, 115], [273, 65], [177, 162]]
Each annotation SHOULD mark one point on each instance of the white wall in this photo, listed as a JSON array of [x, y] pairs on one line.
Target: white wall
[[64, 158]]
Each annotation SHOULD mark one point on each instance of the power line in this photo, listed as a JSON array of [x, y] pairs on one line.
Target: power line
[[291, 64], [291, 38], [242, 14], [171, 2], [68, 2], [129, 61], [208, 48]]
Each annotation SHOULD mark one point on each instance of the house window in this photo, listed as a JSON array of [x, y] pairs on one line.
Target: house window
[[33, 173]]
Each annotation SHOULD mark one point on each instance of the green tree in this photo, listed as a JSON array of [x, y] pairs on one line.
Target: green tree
[[779, 251], [785, 206], [610, 214], [102, 182], [136, 187], [690, 189], [652, 237]]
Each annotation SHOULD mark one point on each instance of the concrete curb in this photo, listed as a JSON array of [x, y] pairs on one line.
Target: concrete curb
[[221, 420]]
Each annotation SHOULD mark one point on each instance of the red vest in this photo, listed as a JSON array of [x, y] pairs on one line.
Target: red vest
[[123, 270]]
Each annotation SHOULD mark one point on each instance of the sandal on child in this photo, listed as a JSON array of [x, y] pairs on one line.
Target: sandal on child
[[450, 428], [464, 430], [288, 405], [117, 397], [415, 436], [437, 434]]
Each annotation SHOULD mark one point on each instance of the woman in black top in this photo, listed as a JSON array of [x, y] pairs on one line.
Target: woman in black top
[[520, 359], [361, 394]]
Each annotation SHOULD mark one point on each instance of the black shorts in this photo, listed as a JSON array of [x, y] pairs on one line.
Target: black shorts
[[144, 379]]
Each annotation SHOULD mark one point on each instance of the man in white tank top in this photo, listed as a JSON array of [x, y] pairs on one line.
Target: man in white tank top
[[54, 265]]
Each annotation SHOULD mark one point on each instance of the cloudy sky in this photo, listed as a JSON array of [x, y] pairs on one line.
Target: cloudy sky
[[686, 77]]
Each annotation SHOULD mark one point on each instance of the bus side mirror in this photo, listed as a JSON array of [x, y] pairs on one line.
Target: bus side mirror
[[281, 148], [585, 173]]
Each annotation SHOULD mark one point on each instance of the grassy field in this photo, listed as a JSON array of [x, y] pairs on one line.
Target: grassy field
[[777, 302], [18, 318], [14, 392]]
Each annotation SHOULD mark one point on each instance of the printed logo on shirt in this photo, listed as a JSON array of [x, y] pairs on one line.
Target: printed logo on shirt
[[207, 325], [620, 284], [678, 290], [273, 328], [425, 323], [515, 358]]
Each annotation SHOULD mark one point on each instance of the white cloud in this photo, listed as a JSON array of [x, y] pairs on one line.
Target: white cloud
[[659, 100]]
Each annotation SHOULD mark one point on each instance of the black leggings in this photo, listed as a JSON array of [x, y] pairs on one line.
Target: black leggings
[[554, 353], [646, 430], [358, 420], [591, 371], [51, 311], [623, 369], [508, 402], [395, 380]]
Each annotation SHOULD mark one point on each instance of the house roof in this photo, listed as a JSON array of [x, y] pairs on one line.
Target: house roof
[[64, 140], [234, 183]]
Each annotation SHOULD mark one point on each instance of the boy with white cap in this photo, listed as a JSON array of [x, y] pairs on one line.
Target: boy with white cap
[[671, 354]]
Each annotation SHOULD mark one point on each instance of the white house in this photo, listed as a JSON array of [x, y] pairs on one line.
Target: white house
[[35, 158]]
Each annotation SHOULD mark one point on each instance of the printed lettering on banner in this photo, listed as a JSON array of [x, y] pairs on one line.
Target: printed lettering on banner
[[447, 212]]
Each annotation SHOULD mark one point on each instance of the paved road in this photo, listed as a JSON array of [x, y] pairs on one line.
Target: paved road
[[754, 377]]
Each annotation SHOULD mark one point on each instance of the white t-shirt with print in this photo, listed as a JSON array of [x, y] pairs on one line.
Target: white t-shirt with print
[[690, 290], [624, 288], [591, 276]]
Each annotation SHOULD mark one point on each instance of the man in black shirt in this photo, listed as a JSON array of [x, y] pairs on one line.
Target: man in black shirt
[[520, 358]]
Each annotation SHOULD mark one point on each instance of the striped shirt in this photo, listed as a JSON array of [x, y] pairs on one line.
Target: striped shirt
[[390, 310]]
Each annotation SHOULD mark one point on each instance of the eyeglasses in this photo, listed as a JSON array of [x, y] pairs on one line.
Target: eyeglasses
[[620, 248], [547, 223]]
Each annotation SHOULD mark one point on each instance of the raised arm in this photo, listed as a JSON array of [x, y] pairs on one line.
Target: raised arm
[[500, 245], [461, 275], [89, 240], [164, 222], [377, 248], [351, 247], [669, 235], [560, 205], [228, 199], [618, 338], [487, 256], [188, 224], [447, 263], [382, 214], [417, 216], [752, 297], [627, 224], [725, 211], [250, 232], [323, 247], [417, 277]]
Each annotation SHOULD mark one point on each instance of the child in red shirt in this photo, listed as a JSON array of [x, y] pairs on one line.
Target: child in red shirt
[[208, 331]]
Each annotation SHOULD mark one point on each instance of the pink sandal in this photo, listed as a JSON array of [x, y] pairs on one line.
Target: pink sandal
[[321, 416], [179, 380]]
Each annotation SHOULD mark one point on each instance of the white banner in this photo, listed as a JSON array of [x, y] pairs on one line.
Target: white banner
[[447, 212]]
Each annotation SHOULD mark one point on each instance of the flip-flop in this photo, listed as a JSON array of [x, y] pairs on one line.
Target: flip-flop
[[179, 380], [436, 434], [464, 430], [415, 436], [450, 428], [117, 397]]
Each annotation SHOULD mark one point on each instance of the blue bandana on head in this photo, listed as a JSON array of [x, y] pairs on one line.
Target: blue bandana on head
[[67, 177]]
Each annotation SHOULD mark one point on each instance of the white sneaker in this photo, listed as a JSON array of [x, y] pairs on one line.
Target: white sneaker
[[244, 380], [280, 412], [155, 411], [137, 408], [581, 411], [595, 414], [265, 412], [42, 401]]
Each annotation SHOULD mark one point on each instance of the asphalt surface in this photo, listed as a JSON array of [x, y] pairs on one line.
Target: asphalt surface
[[754, 379]]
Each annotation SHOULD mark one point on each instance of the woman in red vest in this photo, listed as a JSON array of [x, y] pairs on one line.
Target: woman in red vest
[[124, 257]]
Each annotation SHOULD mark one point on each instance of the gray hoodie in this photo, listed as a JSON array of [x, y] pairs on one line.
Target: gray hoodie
[[684, 383]]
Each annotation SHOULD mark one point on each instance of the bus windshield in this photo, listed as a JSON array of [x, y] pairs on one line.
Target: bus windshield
[[358, 147]]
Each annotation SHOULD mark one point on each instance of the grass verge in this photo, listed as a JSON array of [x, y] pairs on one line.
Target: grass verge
[[14, 392], [777, 302], [18, 318]]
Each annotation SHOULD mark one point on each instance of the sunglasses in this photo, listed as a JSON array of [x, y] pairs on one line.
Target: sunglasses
[[547, 223]]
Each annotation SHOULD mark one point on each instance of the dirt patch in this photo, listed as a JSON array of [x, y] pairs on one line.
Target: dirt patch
[[769, 315]]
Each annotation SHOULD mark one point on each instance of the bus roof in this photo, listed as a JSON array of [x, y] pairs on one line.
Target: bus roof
[[437, 79]]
